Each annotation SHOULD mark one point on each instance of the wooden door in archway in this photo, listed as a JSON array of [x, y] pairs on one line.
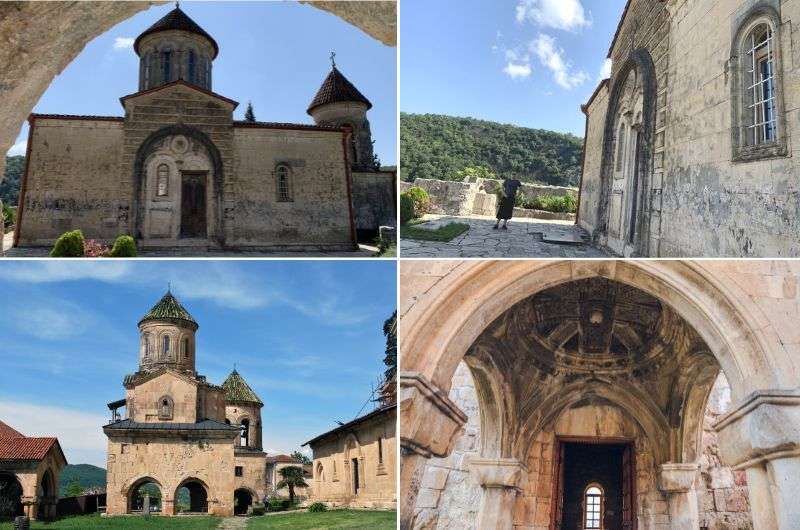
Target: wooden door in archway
[[193, 204]]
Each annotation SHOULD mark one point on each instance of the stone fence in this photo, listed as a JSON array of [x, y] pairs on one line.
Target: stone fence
[[476, 196]]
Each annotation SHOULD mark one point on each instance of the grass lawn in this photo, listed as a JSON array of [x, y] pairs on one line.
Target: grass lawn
[[123, 523], [333, 519], [443, 233]]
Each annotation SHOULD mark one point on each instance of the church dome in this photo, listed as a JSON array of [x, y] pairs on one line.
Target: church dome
[[238, 391], [337, 89], [176, 20], [168, 308]]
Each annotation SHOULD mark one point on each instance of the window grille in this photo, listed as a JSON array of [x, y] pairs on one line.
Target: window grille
[[593, 512], [761, 109], [284, 192]]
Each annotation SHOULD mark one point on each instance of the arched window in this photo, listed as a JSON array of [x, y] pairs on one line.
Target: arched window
[[283, 182], [166, 65], [162, 180], [245, 435], [192, 67], [620, 146], [757, 87], [380, 450], [146, 347], [165, 346], [165, 408], [185, 348], [593, 508], [148, 61]]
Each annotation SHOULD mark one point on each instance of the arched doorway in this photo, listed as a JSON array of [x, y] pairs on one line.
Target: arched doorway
[[145, 496], [544, 341], [354, 466], [10, 496], [242, 500], [191, 497], [48, 496]]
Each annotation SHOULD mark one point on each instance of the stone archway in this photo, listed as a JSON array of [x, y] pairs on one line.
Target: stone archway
[[10, 496], [144, 494], [446, 317], [242, 500], [192, 496]]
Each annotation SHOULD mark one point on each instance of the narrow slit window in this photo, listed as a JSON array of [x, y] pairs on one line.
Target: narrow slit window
[[166, 63], [593, 512], [162, 184], [761, 110], [192, 67], [620, 146], [165, 347]]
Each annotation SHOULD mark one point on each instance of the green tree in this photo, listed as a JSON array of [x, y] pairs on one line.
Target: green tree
[[249, 116], [300, 457], [74, 489], [291, 477], [482, 172], [390, 359]]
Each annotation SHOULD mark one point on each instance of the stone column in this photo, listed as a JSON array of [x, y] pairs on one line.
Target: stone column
[[677, 481], [499, 479], [762, 436], [430, 425]]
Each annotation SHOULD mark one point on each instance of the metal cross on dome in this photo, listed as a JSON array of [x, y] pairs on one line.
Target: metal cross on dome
[[333, 59]]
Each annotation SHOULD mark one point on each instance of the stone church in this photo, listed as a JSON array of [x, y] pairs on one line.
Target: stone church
[[198, 444], [599, 395], [178, 171], [689, 144]]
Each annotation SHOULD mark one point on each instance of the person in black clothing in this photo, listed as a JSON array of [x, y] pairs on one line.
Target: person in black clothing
[[509, 196]]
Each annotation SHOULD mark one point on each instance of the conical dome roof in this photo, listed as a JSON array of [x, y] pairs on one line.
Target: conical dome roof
[[169, 308], [336, 88], [178, 20], [237, 390]]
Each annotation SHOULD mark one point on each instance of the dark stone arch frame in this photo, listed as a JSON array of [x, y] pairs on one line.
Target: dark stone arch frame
[[641, 61], [139, 176]]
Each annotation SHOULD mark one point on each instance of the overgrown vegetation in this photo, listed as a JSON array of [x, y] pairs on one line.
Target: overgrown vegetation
[[439, 147], [9, 187], [414, 203], [548, 203], [9, 216], [443, 233]]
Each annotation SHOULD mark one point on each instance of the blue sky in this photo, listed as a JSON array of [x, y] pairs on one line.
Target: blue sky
[[527, 62], [306, 335], [273, 53]]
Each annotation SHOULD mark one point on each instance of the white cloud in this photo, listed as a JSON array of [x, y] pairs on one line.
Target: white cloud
[[552, 57], [567, 15], [19, 148], [223, 286], [123, 43], [79, 433], [518, 71], [57, 321], [605, 70], [68, 270]]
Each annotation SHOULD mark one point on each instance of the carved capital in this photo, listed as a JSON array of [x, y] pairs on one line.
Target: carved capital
[[764, 427], [430, 422], [677, 478], [497, 473]]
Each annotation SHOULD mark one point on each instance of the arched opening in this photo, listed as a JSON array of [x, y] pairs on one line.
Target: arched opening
[[593, 508], [48, 496], [10, 496], [244, 436], [144, 496], [242, 500], [581, 351], [191, 497]]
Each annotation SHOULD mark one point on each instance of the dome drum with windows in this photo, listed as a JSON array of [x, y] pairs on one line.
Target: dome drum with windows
[[167, 334]]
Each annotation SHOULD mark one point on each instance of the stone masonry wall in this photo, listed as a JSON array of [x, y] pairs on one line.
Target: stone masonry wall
[[73, 181], [593, 161], [374, 200]]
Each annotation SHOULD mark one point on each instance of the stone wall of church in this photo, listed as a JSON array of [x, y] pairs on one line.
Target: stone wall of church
[[318, 214], [191, 402], [169, 461], [374, 199], [593, 160], [713, 206], [73, 181], [333, 481], [254, 469]]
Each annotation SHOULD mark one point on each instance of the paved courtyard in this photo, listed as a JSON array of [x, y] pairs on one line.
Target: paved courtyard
[[525, 238]]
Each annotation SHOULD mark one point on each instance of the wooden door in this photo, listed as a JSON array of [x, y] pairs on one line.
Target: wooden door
[[355, 476], [628, 489], [193, 205]]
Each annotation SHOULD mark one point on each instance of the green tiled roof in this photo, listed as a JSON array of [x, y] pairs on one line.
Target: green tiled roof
[[168, 308], [237, 390]]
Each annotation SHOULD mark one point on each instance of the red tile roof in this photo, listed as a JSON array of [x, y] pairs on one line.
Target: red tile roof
[[7, 432], [281, 458]]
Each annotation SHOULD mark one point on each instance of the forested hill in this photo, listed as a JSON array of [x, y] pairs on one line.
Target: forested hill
[[9, 187], [87, 475], [436, 146]]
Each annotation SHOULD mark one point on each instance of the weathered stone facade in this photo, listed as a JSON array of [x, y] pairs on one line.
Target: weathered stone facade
[[180, 431], [355, 464], [678, 183], [617, 353], [178, 171]]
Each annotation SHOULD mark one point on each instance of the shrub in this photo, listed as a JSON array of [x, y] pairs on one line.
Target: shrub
[[9, 216], [422, 201], [551, 203], [124, 247], [258, 509], [317, 507], [276, 504], [93, 249], [68, 245], [406, 208]]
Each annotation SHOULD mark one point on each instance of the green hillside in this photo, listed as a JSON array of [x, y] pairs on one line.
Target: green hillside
[[87, 475], [9, 188], [436, 146]]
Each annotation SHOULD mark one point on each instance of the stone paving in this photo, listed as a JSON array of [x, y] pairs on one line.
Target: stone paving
[[525, 238]]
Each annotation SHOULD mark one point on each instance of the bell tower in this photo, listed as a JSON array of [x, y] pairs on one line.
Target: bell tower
[[167, 337]]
